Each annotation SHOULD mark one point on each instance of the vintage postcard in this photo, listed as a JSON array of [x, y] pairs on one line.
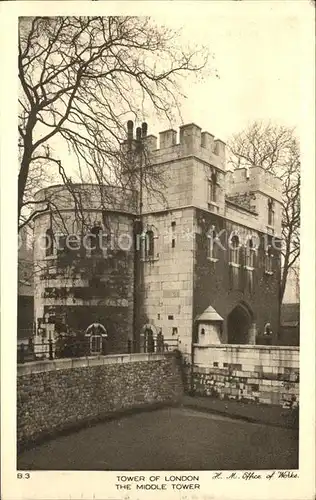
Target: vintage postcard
[[158, 246]]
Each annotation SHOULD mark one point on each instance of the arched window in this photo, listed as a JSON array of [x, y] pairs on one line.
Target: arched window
[[248, 282], [97, 333], [212, 246], [234, 250], [270, 212], [149, 244], [269, 260], [49, 243], [250, 253]]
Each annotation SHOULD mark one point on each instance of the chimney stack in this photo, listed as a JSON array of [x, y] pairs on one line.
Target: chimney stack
[[138, 134], [144, 129], [130, 133]]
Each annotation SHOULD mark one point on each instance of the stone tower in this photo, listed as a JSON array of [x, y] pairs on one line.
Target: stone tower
[[84, 260]]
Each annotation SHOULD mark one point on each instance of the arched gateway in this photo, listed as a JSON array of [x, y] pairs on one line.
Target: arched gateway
[[240, 324]]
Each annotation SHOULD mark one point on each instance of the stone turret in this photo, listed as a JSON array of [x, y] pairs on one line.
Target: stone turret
[[256, 189], [254, 179], [83, 260]]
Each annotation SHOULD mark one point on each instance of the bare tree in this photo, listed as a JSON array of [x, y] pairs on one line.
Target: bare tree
[[291, 178], [276, 149], [80, 79], [39, 176]]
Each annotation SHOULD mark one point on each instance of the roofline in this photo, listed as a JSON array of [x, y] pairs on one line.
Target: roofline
[[94, 184]]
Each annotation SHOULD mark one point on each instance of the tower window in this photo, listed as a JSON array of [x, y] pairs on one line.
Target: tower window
[[212, 188], [234, 250], [149, 244], [270, 212], [49, 243], [249, 264], [250, 253], [173, 243], [170, 316], [269, 261], [211, 246], [234, 257]]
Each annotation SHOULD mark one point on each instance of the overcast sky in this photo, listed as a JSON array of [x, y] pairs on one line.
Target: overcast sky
[[258, 56], [259, 50]]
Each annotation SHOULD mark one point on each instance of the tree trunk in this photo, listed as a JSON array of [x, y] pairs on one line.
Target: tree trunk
[[23, 175], [26, 160], [284, 278]]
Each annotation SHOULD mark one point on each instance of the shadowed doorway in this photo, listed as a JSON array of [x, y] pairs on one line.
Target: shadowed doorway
[[238, 324]]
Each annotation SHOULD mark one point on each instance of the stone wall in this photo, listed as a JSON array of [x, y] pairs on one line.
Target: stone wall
[[213, 283], [171, 185], [262, 185], [202, 173], [244, 200], [180, 171], [53, 396], [264, 374], [79, 287], [168, 279], [257, 179], [25, 316]]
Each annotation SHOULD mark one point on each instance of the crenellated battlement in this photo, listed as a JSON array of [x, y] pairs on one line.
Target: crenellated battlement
[[254, 179], [191, 141], [173, 144]]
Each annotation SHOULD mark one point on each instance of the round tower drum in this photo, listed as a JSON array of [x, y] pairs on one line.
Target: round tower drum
[[84, 261]]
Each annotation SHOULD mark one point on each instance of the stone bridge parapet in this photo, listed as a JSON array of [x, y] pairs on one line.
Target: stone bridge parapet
[[64, 394]]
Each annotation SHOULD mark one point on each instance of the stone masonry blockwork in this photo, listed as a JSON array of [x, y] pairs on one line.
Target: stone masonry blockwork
[[260, 374], [58, 398], [212, 280], [191, 195]]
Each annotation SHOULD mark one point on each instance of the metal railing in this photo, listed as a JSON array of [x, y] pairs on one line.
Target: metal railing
[[24, 334], [66, 347], [35, 351], [159, 344]]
